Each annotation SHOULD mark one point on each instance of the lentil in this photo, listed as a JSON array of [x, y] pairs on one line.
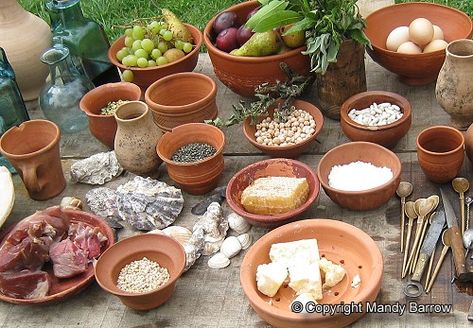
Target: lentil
[[142, 276], [193, 152], [112, 106], [376, 115], [358, 176]]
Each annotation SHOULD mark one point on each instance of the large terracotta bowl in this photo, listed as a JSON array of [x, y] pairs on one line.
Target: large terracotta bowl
[[182, 98], [267, 168], [144, 77], [197, 177], [365, 152], [292, 150], [385, 135], [243, 74], [104, 127], [156, 247], [338, 242], [414, 69]]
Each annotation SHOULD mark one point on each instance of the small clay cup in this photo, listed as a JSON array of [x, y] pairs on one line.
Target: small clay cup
[[440, 152], [182, 98], [104, 127], [197, 177], [33, 149], [162, 249]]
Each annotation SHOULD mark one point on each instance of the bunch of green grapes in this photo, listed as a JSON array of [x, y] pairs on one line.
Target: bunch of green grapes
[[150, 45]]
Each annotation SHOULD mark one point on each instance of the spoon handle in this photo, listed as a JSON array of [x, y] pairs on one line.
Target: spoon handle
[[420, 222], [419, 245], [408, 241], [437, 268], [467, 224], [462, 212], [403, 218], [429, 270]]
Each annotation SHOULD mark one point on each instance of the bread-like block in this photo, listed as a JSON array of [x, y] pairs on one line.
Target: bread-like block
[[275, 195], [333, 273], [295, 252], [305, 278], [270, 277]]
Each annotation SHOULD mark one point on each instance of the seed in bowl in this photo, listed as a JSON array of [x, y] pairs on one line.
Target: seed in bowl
[[298, 126], [112, 107], [142, 276], [376, 115], [193, 152], [358, 176]]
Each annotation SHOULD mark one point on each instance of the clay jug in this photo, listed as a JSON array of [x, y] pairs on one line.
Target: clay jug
[[136, 138], [454, 90], [24, 37]]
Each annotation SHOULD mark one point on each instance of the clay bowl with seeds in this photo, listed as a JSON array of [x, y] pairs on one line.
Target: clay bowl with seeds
[[340, 243], [164, 250]]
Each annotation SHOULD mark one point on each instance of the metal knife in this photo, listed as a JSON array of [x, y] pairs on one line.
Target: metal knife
[[433, 234]]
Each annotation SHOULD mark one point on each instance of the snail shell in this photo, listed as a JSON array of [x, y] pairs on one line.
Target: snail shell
[[238, 224], [181, 234], [245, 240], [218, 261], [230, 247]]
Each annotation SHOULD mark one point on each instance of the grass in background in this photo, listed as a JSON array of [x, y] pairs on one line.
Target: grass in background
[[464, 5]]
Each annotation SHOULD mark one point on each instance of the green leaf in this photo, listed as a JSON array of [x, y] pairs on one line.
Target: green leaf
[[302, 25], [277, 19], [360, 37], [267, 10], [333, 52], [264, 2]]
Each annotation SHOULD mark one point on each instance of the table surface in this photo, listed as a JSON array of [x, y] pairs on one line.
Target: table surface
[[207, 297]]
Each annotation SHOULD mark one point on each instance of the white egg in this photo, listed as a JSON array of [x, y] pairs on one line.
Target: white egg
[[409, 48], [435, 45], [421, 31], [397, 37], [438, 33]]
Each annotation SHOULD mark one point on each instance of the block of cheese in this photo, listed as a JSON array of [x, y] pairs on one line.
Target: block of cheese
[[270, 277], [305, 278], [332, 272], [303, 299], [275, 195], [305, 251]]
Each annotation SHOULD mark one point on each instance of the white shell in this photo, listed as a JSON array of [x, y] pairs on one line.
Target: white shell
[[218, 261], [245, 240], [181, 234], [211, 248], [230, 247], [237, 223]]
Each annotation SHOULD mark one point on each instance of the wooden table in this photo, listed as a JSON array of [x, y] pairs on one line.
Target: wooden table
[[213, 298]]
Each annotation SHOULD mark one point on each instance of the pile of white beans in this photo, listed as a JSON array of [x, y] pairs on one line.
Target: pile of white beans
[[142, 276], [376, 115]]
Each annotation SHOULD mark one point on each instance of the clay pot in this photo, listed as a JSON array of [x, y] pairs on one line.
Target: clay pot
[[454, 90], [136, 138], [469, 142], [104, 127], [182, 98], [343, 79], [366, 152], [414, 69], [290, 151], [440, 152], [198, 177], [339, 242], [243, 74], [33, 149], [386, 135], [144, 77], [160, 248], [24, 37]]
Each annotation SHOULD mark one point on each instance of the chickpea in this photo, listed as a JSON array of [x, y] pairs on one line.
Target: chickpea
[[259, 140]]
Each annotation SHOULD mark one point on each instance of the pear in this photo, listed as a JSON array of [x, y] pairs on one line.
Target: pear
[[292, 40], [178, 29], [260, 44]]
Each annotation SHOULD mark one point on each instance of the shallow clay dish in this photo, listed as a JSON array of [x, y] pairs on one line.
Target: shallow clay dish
[[271, 167], [243, 74], [159, 248], [104, 127], [386, 135], [63, 288], [339, 242], [292, 150], [144, 77], [414, 69], [365, 152]]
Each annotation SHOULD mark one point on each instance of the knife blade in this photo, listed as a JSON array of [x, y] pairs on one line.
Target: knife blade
[[433, 234]]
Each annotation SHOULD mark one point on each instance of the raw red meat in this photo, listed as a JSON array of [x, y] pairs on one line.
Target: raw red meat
[[68, 259], [24, 284], [87, 238]]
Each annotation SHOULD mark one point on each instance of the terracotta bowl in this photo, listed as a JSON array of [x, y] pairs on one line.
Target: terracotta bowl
[[338, 242], [159, 248], [386, 135], [292, 150], [144, 77], [440, 152], [104, 127], [243, 74], [365, 152], [198, 177], [414, 69], [182, 98], [271, 167]]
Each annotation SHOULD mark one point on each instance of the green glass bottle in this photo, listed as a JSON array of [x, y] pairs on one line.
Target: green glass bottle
[[85, 39]]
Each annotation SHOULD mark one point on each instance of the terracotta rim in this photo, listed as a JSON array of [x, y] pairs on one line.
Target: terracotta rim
[[379, 148], [37, 152], [210, 46], [185, 126], [133, 102], [347, 106], [453, 43], [177, 76], [172, 280], [281, 315], [438, 52], [198, 44], [113, 88], [445, 128], [279, 217]]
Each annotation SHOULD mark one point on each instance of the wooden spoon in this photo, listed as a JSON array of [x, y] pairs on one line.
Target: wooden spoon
[[461, 185], [447, 241], [403, 191], [412, 215]]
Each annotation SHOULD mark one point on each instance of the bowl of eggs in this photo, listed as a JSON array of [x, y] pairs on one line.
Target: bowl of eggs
[[409, 39]]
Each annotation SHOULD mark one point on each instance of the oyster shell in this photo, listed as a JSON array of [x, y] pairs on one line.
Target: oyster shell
[[97, 169], [238, 223], [193, 248], [245, 240], [218, 261], [230, 247], [181, 234], [102, 202], [215, 227]]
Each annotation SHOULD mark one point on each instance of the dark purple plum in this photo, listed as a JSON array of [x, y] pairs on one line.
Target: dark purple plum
[[227, 39], [224, 20], [254, 11], [244, 34]]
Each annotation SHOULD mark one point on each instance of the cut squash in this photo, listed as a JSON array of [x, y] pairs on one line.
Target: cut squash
[[7, 194]]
